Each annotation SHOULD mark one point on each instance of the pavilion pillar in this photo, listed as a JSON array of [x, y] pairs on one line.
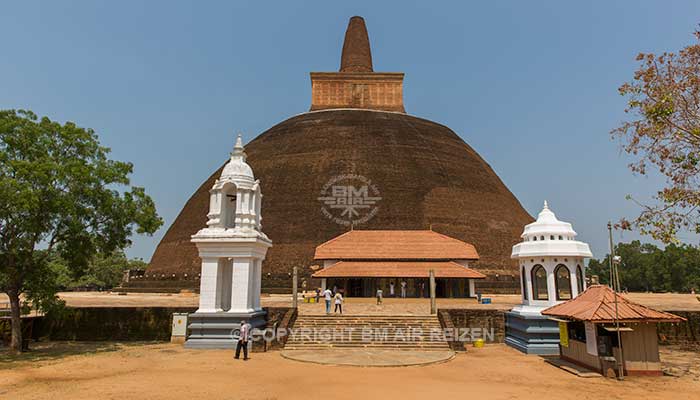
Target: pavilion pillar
[[472, 289], [240, 290], [433, 303], [295, 282], [210, 286], [573, 279], [257, 275]]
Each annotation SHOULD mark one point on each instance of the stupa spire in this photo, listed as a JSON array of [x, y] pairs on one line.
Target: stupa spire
[[238, 149], [357, 56]]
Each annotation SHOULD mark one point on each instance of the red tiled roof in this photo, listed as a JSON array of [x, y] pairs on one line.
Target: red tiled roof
[[395, 245], [397, 269], [597, 304]]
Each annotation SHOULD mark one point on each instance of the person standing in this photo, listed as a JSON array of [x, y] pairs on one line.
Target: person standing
[[391, 289], [403, 289], [379, 296], [328, 295], [243, 336], [338, 302]]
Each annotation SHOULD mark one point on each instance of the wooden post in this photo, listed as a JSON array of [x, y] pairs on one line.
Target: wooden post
[[295, 283], [433, 303]]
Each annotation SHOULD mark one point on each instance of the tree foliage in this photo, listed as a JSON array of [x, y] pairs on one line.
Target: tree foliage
[[645, 267], [101, 272], [60, 195], [664, 135]]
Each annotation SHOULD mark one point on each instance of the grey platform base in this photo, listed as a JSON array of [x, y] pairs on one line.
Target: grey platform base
[[532, 333], [219, 330]]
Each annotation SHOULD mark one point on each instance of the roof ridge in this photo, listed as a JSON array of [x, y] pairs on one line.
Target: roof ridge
[[451, 238], [602, 301], [334, 239]]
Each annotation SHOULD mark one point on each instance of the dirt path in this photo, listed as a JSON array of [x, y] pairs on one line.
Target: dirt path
[[167, 371]]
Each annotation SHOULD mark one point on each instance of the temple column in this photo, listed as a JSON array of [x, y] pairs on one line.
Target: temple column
[[210, 285]]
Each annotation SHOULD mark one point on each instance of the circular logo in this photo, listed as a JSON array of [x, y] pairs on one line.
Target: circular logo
[[349, 199]]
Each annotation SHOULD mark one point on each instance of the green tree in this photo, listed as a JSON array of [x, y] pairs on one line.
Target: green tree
[[102, 271], [664, 134], [645, 267], [59, 195]]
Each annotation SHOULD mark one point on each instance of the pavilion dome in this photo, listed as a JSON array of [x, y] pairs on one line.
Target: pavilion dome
[[237, 169], [548, 236]]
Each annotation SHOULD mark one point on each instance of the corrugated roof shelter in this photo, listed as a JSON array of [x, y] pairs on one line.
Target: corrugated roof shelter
[[398, 262], [588, 331], [597, 304]]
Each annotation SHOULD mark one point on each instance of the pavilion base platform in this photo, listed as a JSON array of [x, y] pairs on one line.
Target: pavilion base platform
[[217, 330], [530, 332]]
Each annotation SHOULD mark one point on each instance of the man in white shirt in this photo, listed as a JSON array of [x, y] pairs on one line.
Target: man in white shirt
[[391, 289], [403, 289], [328, 295], [243, 336]]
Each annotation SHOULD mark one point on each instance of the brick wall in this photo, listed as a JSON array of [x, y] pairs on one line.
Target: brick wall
[[477, 319], [374, 91]]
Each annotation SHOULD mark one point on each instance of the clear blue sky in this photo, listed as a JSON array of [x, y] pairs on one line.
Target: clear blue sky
[[532, 86]]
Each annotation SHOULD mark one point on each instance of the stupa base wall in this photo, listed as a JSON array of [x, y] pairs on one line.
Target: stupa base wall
[[219, 330], [532, 333]]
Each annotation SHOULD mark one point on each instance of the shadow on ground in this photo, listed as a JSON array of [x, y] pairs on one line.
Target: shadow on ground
[[46, 351]]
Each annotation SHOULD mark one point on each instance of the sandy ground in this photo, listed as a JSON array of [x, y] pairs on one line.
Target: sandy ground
[[661, 301], [165, 371]]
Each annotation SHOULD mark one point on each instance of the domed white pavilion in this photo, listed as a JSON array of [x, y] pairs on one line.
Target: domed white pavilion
[[552, 270], [232, 247]]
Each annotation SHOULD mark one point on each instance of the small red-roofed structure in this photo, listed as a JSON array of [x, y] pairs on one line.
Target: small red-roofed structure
[[589, 325]]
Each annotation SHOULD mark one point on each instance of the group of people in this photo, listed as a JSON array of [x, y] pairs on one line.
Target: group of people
[[392, 291], [329, 296]]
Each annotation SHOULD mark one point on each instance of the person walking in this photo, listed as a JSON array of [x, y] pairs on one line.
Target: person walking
[[379, 296], [403, 289], [338, 302], [328, 295], [243, 336]]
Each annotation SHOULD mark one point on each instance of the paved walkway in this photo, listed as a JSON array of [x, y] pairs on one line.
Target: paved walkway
[[408, 306], [369, 357], [364, 306]]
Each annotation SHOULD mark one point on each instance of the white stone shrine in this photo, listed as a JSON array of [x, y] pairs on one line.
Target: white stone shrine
[[552, 270], [232, 247]]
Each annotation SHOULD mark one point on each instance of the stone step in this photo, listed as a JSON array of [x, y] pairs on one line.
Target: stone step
[[322, 332], [361, 326]]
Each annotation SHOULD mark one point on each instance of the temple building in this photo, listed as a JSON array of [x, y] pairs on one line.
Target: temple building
[[552, 270], [359, 262], [356, 160]]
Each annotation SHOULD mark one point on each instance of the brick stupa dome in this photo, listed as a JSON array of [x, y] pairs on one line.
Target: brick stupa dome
[[424, 174]]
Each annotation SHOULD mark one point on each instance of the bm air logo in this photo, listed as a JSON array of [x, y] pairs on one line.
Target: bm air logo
[[349, 199]]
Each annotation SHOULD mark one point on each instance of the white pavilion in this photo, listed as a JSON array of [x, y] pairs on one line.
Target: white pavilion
[[552, 270], [232, 247]]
